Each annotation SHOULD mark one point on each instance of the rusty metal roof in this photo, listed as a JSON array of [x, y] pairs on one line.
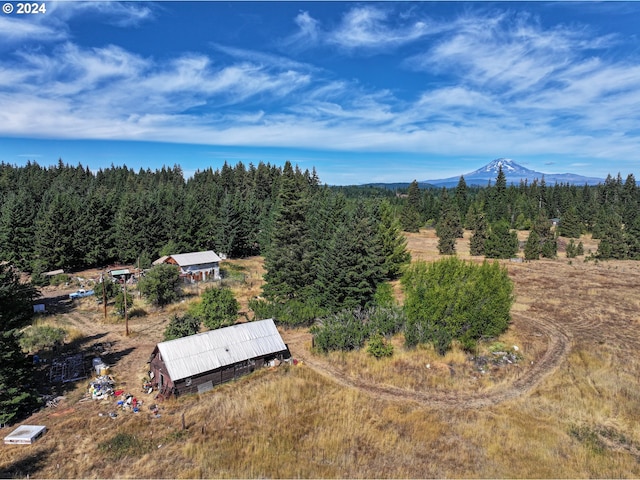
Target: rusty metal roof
[[189, 356]]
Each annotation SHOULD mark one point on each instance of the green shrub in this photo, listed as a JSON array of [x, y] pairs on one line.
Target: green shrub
[[59, 279], [455, 300], [34, 339], [180, 327], [378, 347], [217, 308]]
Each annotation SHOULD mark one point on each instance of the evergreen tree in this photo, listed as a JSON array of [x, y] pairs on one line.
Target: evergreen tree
[[17, 398], [57, 243], [393, 245], [352, 266], [480, 235], [501, 242], [410, 218], [498, 207], [532, 248], [461, 198], [289, 257], [572, 249], [613, 244], [570, 225], [548, 242]]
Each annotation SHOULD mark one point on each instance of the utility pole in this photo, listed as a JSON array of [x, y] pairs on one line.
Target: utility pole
[[104, 295], [126, 317]]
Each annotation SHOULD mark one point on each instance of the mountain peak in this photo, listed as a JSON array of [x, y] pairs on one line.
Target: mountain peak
[[514, 174], [508, 167]]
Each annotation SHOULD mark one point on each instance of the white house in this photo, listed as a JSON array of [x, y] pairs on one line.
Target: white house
[[196, 266]]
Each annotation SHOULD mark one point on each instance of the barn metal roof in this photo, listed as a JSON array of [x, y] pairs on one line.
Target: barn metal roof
[[189, 356], [195, 258]]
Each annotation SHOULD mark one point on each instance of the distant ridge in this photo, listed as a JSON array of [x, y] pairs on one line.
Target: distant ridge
[[514, 174]]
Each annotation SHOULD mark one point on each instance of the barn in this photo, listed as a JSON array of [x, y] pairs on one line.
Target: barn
[[197, 363], [195, 266]]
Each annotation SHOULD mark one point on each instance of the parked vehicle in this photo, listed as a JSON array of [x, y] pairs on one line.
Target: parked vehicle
[[80, 294]]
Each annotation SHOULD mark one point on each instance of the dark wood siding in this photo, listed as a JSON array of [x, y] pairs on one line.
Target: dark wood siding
[[224, 374]]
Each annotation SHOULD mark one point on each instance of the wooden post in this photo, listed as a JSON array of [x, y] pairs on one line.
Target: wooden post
[[126, 317], [184, 427], [104, 295]]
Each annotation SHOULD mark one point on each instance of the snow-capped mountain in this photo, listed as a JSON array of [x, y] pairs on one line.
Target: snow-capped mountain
[[514, 173]]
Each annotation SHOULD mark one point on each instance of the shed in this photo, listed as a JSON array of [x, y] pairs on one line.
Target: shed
[[197, 363], [194, 266], [25, 434]]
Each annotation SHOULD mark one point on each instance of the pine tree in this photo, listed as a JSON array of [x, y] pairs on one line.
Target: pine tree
[[289, 258], [480, 235], [393, 245], [532, 247], [352, 266], [410, 217], [501, 242], [570, 225], [16, 398]]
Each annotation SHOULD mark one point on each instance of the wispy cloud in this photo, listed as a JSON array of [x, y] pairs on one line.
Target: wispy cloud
[[368, 28], [493, 82], [13, 30]]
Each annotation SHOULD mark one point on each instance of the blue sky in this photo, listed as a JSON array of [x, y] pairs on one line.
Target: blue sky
[[363, 91]]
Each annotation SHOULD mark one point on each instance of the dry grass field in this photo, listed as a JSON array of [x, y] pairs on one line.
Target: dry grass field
[[568, 408]]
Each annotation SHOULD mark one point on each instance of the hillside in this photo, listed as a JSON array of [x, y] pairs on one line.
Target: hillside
[[568, 408]]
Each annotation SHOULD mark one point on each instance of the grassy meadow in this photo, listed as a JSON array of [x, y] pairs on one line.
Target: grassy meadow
[[566, 409]]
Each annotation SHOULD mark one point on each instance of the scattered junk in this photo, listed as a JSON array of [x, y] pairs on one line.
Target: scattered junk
[[38, 308], [197, 363], [101, 387], [498, 358], [25, 435], [101, 368], [67, 369], [51, 401]]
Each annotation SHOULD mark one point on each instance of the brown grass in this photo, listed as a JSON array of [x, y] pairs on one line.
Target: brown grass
[[568, 410]]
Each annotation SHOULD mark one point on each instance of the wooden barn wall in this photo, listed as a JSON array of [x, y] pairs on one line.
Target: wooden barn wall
[[227, 373], [158, 367]]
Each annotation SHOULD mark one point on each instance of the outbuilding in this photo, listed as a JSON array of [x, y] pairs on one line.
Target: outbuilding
[[195, 266], [197, 363]]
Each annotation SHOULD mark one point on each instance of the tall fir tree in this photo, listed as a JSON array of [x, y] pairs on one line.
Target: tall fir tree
[[393, 244], [289, 258], [501, 242], [410, 217], [532, 247], [480, 234], [16, 374], [448, 227]]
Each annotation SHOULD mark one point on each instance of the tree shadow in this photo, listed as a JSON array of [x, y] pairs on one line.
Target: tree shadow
[[26, 467]]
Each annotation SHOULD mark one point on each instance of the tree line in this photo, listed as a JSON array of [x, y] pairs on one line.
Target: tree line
[[609, 211]]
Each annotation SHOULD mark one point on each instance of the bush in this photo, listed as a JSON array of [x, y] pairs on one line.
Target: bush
[[161, 284], [345, 331], [349, 330], [379, 348], [293, 313], [59, 279], [180, 327], [217, 308], [119, 304], [34, 339], [455, 300]]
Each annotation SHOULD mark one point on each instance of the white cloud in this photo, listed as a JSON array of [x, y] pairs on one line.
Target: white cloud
[[13, 30], [362, 28]]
